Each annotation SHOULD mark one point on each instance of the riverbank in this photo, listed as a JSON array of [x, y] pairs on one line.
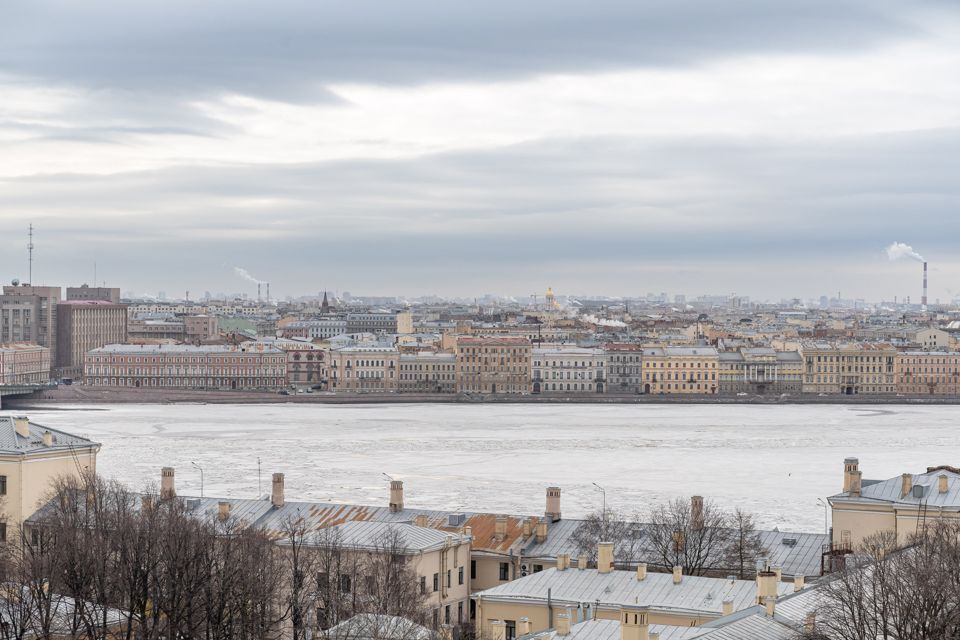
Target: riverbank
[[80, 394]]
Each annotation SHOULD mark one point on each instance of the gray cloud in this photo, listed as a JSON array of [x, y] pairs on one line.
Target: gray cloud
[[600, 210]]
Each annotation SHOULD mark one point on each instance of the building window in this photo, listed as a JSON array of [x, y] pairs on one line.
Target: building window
[[473, 569], [460, 576], [504, 571], [436, 582], [3, 485], [3, 531], [344, 583], [511, 629]]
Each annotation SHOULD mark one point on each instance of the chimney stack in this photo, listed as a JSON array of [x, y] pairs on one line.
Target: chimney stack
[[677, 575], [582, 562], [605, 557], [766, 584], [634, 623], [47, 439], [778, 572], [500, 528], [728, 606], [223, 510], [563, 624], [276, 496], [641, 571], [906, 484], [541, 531], [856, 483], [553, 504], [770, 604], [850, 467], [167, 489], [943, 483], [396, 496], [527, 528], [696, 512], [420, 520], [22, 426], [923, 300], [798, 583]]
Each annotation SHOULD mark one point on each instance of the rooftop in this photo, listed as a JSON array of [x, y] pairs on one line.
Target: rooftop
[[12, 443]]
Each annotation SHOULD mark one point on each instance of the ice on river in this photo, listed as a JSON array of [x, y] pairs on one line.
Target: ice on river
[[772, 460]]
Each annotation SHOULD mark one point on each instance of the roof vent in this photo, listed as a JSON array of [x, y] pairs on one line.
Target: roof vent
[[456, 519], [918, 490], [789, 542]]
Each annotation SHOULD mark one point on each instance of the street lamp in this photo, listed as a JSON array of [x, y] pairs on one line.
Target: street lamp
[[604, 512], [201, 476], [826, 529]]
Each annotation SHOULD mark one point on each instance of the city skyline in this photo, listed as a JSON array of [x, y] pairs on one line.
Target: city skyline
[[772, 151]]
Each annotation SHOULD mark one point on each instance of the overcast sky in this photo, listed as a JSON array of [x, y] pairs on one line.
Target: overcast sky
[[760, 147]]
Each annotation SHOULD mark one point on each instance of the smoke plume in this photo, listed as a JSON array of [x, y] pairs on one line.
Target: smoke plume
[[243, 273], [900, 250]]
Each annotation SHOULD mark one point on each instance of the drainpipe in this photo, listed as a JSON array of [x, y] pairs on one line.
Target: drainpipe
[[549, 609]]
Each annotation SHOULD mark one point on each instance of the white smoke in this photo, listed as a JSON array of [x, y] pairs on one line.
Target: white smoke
[[602, 322], [899, 250], [243, 273]]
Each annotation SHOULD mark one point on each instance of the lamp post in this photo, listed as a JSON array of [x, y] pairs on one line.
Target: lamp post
[[603, 513], [826, 529], [201, 477]]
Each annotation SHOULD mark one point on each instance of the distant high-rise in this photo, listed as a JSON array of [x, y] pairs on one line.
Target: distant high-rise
[[83, 325], [86, 292], [29, 314]]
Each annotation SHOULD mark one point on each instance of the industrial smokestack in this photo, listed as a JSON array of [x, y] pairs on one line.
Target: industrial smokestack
[[268, 290], [258, 292], [923, 300]]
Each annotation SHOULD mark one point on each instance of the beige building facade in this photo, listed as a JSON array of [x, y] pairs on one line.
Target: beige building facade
[[364, 369], [31, 457], [681, 370], [849, 369], [29, 314], [83, 325], [428, 372], [927, 373], [24, 363], [493, 365]]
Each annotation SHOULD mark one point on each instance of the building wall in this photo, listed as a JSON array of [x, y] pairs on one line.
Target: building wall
[[29, 314], [364, 369], [927, 373], [681, 371], [86, 292], [181, 368], [86, 325], [568, 371], [849, 369], [493, 365], [29, 478], [24, 363], [202, 327], [427, 373], [625, 368]]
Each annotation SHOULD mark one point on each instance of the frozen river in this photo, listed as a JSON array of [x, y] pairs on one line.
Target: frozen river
[[773, 460]]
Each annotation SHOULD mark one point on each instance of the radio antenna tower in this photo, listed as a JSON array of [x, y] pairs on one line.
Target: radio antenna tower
[[30, 253]]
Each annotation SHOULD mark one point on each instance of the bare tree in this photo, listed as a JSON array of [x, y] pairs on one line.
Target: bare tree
[[744, 547], [896, 593], [693, 538], [625, 533]]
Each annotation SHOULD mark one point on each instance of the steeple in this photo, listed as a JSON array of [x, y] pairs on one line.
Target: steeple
[[324, 306]]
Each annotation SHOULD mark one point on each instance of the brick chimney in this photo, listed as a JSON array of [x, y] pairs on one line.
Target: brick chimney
[[677, 575], [542, 531], [850, 467], [563, 624], [641, 571], [500, 528], [223, 510], [167, 489], [605, 557], [728, 606], [276, 496], [22, 426], [552, 512], [696, 512], [396, 496], [810, 622], [943, 482], [906, 484], [634, 623]]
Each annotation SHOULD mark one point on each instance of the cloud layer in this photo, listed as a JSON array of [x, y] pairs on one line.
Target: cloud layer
[[427, 147]]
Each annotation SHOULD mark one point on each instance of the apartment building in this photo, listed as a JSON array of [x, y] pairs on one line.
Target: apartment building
[[201, 327], [24, 363], [316, 329], [86, 292], [29, 314], [372, 322], [681, 370], [168, 329], [306, 362], [568, 369], [759, 371], [428, 372], [31, 456], [927, 373], [83, 325], [493, 365], [624, 367], [221, 367], [849, 369], [902, 505], [364, 369]]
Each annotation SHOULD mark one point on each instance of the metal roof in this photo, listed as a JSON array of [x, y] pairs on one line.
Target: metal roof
[[12, 443], [597, 629], [889, 491], [367, 535], [618, 588]]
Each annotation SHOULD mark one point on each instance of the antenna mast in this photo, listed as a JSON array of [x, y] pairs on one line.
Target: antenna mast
[[30, 253]]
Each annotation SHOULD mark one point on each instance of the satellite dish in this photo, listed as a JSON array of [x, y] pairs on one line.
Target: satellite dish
[[15, 282]]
